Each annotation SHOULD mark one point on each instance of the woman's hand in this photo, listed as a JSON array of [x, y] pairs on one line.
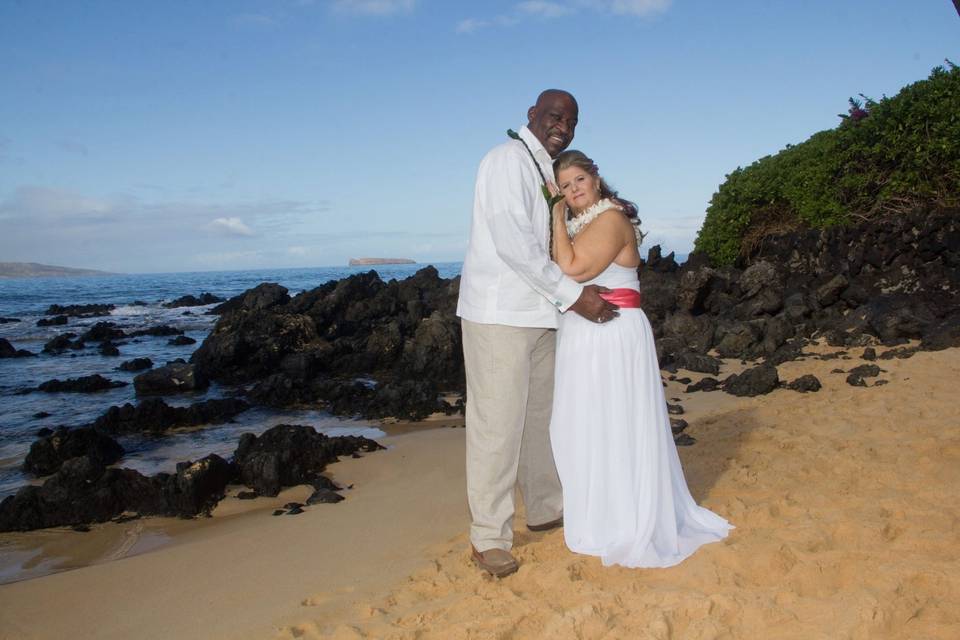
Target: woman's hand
[[559, 205]]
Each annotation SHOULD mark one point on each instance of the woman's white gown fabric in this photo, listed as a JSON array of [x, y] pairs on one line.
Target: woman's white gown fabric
[[625, 498]]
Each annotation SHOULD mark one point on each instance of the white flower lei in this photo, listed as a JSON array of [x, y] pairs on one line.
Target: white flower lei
[[590, 214]]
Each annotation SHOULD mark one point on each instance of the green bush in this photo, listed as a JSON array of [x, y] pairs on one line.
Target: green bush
[[886, 156]]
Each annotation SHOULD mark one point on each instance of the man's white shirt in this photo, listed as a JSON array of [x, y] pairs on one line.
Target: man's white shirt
[[508, 277]]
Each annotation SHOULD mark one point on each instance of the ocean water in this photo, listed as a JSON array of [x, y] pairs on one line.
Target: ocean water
[[138, 299]]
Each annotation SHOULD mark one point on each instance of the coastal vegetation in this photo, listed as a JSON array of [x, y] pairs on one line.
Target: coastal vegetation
[[887, 156]]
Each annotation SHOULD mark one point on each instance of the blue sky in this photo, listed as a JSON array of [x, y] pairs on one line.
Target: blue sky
[[243, 134]]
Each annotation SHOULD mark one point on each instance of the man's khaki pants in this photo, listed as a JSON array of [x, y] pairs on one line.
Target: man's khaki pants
[[509, 399]]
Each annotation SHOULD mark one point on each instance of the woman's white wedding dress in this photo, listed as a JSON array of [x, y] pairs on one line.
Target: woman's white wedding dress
[[625, 498]]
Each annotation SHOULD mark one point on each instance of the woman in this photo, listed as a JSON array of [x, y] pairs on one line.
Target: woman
[[625, 498]]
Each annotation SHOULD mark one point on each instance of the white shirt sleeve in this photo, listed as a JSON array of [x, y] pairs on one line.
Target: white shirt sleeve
[[510, 201]]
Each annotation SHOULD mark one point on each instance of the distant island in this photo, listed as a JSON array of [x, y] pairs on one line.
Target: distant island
[[36, 270], [359, 262]]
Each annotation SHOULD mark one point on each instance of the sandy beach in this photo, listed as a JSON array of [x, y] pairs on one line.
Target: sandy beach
[[844, 501]]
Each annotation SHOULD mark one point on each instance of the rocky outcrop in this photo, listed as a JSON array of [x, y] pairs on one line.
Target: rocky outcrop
[[311, 348], [49, 452], [83, 384], [63, 342], [174, 377], [102, 332], [288, 455], [753, 382], [137, 364], [7, 350], [886, 281], [52, 322], [80, 310], [84, 491], [193, 301], [156, 416]]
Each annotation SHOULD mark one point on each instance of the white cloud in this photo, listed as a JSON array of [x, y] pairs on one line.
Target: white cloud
[[374, 7], [639, 7], [56, 204], [470, 25], [559, 9], [230, 226], [297, 251], [544, 9]]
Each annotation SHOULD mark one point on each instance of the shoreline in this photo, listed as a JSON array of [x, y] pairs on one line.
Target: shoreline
[[842, 501], [44, 552], [245, 572]]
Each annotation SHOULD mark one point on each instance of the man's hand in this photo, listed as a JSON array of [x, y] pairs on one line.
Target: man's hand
[[594, 308]]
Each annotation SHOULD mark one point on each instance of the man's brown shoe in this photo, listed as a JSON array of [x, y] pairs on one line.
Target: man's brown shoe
[[496, 562], [546, 526]]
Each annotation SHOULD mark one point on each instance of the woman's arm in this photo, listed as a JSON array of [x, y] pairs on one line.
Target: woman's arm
[[596, 247]]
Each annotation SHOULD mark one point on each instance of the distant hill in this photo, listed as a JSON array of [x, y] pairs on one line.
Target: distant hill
[[354, 262], [36, 270]]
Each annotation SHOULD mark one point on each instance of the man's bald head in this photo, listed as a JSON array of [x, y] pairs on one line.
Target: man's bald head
[[553, 120]]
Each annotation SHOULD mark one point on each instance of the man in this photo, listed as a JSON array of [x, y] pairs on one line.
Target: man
[[510, 295]]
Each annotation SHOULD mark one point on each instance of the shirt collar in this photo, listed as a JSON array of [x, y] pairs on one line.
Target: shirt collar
[[536, 147]]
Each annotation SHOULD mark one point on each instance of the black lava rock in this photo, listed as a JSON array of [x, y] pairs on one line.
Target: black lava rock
[[48, 453], [193, 301], [83, 491], [174, 377], [288, 455], [102, 332], [757, 381], [109, 349], [677, 425], [156, 416], [697, 362], [63, 342], [84, 384], [137, 364], [857, 374], [324, 496], [805, 384], [7, 350], [80, 310], [706, 384], [52, 322]]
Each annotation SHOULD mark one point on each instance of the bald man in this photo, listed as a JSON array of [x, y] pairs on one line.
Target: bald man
[[510, 296]]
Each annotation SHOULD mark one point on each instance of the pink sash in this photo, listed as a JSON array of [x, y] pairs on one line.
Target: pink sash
[[623, 298]]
